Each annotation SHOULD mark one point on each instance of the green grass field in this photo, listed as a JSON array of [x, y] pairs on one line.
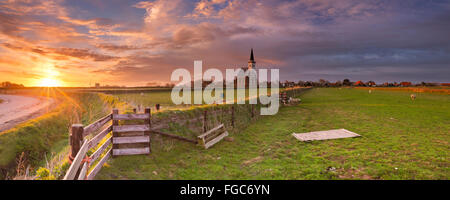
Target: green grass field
[[401, 139]]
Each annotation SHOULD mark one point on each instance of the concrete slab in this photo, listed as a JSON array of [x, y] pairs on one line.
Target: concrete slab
[[325, 135]]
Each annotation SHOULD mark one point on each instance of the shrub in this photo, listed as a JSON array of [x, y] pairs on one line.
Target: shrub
[[44, 174]]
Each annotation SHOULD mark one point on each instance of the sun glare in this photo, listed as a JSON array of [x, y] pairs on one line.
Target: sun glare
[[49, 82]]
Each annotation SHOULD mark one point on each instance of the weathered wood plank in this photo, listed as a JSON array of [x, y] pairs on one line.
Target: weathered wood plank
[[115, 123], [99, 166], [130, 116], [130, 134], [72, 171], [325, 135], [131, 128], [215, 140], [128, 140], [131, 151], [148, 111], [94, 141], [210, 131], [83, 171], [91, 128], [100, 150], [76, 140]]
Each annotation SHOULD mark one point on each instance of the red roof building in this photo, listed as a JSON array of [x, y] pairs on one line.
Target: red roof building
[[405, 84], [359, 83]]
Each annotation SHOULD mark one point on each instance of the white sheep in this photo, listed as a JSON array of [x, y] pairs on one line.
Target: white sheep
[[413, 97]]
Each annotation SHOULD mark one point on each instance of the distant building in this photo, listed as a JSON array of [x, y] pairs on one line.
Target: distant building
[[359, 83], [289, 84], [371, 84], [405, 84], [251, 77]]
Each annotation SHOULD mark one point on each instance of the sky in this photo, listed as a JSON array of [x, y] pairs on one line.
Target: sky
[[138, 43]]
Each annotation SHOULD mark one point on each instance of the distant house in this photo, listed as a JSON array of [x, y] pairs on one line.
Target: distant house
[[405, 84], [289, 84], [371, 84], [359, 83]]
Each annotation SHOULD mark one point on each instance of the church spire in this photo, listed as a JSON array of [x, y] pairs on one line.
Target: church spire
[[251, 62], [252, 59]]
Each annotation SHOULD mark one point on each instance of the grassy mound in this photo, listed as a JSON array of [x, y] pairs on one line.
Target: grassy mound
[[30, 143]]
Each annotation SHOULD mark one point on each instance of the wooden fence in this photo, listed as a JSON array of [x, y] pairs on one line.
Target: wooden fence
[[80, 168], [136, 138], [131, 139]]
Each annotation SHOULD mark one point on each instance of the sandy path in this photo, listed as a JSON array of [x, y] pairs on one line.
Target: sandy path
[[16, 109]]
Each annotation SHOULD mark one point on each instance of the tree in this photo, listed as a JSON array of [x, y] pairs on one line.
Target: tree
[[8, 84], [301, 83], [323, 83], [346, 82]]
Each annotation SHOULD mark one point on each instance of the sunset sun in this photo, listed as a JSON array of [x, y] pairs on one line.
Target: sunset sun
[[49, 82]]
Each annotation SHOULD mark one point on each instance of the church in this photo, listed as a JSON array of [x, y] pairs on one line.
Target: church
[[251, 77]]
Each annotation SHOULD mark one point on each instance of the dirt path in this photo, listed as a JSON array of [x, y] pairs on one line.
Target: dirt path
[[16, 109]]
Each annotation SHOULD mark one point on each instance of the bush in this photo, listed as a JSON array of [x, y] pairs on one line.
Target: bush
[[44, 174]]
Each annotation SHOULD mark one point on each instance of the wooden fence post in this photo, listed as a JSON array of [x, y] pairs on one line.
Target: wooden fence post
[[232, 116], [205, 118], [115, 134], [253, 110], [76, 139], [149, 122]]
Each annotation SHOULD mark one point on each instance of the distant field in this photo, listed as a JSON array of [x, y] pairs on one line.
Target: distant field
[[401, 139], [436, 89], [151, 97]]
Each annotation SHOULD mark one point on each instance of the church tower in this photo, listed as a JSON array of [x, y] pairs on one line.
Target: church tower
[[251, 62]]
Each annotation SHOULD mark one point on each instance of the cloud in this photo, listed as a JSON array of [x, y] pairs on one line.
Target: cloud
[[66, 52], [137, 43], [83, 54], [118, 48]]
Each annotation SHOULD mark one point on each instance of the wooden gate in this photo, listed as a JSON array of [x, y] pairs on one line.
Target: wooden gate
[[131, 139]]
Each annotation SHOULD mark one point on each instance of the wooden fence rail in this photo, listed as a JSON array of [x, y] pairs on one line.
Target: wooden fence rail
[[80, 162]]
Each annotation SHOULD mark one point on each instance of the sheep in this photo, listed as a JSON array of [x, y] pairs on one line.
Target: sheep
[[413, 97]]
